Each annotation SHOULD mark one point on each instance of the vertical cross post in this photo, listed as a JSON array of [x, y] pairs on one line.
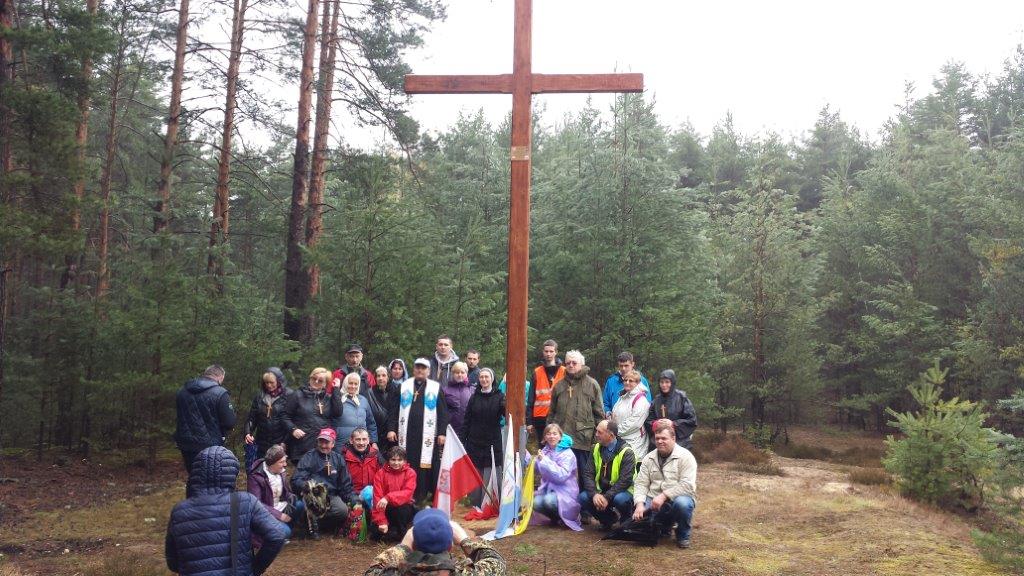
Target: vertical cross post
[[522, 84]]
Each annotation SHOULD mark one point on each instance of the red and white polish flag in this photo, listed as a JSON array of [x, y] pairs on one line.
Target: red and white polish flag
[[457, 477]]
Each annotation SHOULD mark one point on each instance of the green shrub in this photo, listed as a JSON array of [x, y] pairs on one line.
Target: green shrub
[[1003, 542], [946, 455], [760, 435]]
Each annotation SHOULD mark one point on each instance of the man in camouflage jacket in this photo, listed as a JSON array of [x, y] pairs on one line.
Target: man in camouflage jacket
[[405, 558]]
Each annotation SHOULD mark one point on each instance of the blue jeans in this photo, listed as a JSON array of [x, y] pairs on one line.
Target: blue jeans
[[546, 504], [298, 511], [623, 502], [679, 512]]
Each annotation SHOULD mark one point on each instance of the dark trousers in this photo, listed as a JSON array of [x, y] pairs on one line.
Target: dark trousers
[[399, 520], [426, 481]]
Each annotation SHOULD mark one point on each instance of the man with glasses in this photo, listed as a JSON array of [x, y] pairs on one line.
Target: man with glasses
[[576, 406]]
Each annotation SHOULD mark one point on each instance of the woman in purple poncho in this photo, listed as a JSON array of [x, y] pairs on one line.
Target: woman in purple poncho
[[558, 495]]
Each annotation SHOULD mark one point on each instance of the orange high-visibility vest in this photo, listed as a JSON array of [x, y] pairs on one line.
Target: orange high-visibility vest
[[543, 387]]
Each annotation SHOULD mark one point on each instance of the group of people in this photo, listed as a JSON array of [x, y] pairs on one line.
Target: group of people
[[367, 444]]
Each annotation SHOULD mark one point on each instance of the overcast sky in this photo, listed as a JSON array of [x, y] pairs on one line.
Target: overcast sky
[[774, 65]]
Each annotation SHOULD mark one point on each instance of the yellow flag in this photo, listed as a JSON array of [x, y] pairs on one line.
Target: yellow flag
[[526, 499]]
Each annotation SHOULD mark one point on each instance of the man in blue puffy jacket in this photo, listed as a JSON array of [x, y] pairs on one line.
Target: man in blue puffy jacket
[[205, 414], [209, 533]]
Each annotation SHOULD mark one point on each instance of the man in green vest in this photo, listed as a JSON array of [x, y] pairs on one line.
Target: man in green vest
[[607, 478]]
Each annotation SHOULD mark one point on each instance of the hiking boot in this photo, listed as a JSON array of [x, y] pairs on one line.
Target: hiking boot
[[683, 544], [315, 535]]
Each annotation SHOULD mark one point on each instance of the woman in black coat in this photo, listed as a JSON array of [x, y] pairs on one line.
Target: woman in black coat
[[481, 429], [308, 410], [263, 427]]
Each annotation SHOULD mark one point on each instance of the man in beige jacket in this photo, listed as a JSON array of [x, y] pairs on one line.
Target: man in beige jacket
[[666, 485]]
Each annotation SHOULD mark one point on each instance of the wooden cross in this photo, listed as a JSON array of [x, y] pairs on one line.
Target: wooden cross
[[522, 84]]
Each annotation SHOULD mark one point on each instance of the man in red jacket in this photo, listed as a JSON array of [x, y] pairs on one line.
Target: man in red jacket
[[362, 461]]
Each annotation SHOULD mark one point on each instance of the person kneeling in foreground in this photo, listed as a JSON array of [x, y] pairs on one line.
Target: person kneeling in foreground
[[558, 495], [322, 479], [666, 485], [425, 549], [393, 487], [209, 532]]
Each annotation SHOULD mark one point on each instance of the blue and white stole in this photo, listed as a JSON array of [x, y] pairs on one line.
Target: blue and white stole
[[430, 396]]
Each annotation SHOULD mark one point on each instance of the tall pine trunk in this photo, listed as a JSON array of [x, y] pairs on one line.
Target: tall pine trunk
[[221, 208], [110, 150], [6, 165], [325, 92], [295, 291], [163, 204], [71, 261]]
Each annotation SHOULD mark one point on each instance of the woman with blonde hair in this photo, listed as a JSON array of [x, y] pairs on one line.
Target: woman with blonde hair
[[558, 495], [630, 412], [307, 411]]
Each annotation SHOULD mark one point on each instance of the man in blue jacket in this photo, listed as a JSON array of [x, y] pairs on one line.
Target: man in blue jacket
[[205, 414], [613, 385], [326, 469], [210, 532]]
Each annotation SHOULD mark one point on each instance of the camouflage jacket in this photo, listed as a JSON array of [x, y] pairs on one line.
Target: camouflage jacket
[[481, 560]]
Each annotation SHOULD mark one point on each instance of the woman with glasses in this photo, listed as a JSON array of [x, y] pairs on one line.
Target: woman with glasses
[[307, 411]]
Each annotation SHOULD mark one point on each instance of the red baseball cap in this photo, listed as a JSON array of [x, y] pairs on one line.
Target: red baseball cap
[[327, 434]]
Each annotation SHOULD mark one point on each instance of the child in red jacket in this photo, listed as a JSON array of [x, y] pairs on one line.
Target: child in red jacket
[[393, 487]]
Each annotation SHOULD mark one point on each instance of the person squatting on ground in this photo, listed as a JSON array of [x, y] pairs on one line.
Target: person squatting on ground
[[393, 487], [418, 422], [558, 495], [666, 485], [263, 427], [607, 478], [268, 482], [671, 403], [322, 479], [362, 460], [204, 414], [426, 549], [210, 532]]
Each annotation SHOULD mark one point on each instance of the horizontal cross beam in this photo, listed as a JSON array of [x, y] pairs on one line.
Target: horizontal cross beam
[[540, 83]]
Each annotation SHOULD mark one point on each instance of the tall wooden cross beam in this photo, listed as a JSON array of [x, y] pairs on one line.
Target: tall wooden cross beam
[[522, 84]]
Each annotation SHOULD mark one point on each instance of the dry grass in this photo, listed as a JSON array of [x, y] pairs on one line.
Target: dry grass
[[737, 449], [870, 476], [812, 521]]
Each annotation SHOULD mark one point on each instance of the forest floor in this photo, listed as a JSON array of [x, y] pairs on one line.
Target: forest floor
[[812, 520]]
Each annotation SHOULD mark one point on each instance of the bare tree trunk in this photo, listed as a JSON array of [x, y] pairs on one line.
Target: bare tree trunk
[[221, 213], [6, 165], [6, 77], [71, 261], [103, 271], [163, 204], [325, 92], [295, 292]]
